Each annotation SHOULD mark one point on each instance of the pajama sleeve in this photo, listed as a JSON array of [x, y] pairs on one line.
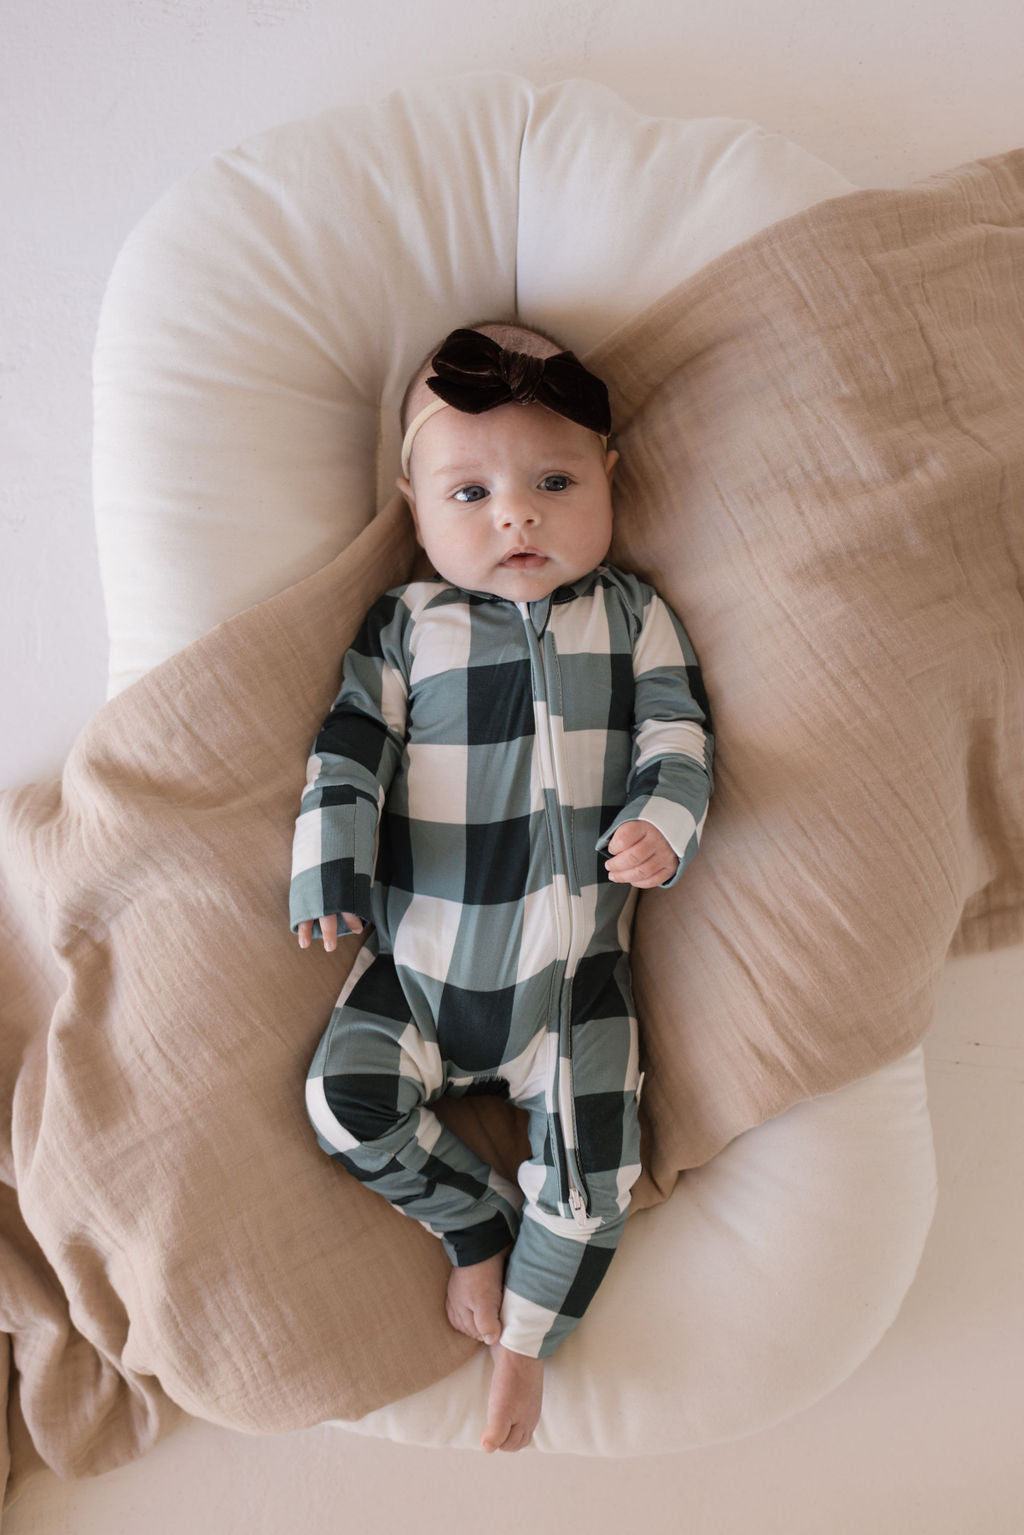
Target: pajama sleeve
[[671, 780], [354, 757]]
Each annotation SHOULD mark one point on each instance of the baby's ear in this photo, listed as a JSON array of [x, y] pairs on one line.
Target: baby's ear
[[611, 458], [405, 489]]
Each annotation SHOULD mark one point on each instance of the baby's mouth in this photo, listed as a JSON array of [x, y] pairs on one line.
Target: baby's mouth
[[524, 559]]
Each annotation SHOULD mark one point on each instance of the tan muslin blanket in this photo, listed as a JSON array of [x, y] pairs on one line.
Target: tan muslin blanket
[[823, 470]]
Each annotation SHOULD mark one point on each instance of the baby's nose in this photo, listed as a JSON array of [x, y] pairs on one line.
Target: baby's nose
[[517, 511]]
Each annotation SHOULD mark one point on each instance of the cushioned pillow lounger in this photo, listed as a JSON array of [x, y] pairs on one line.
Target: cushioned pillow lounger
[[255, 340]]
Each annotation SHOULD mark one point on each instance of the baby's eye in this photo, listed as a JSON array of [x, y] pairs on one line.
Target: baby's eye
[[470, 493], [555, 482]]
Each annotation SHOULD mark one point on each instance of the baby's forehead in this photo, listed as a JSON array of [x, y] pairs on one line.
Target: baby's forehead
[[510, 435]]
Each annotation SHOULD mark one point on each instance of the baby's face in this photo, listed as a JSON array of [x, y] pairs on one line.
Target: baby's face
[[516, 501]]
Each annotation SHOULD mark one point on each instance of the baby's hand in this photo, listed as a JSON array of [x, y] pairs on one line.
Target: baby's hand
[[640, 856], [328, 929]]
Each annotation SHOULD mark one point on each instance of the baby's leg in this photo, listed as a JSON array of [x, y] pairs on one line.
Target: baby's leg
[[560, 1255], [554, 1270], [368, 1091]]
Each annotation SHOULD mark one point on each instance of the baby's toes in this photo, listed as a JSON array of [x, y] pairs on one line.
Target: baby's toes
[[496, 1433], [487, 1322], [461, 1318]]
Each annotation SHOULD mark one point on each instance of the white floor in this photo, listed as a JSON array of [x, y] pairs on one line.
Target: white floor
[[927, 1438]]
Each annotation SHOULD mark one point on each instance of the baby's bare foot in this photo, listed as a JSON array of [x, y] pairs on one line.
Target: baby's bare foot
[[513, 1407], [474, 1298]]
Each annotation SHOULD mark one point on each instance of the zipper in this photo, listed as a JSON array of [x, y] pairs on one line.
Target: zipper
[[577, 1190], [562, 1090], [577, 1203]]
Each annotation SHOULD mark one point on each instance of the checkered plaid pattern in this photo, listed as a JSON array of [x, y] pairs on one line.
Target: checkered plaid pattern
[[477, 760]]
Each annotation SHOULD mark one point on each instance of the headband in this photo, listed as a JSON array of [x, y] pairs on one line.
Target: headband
[[475, 373]]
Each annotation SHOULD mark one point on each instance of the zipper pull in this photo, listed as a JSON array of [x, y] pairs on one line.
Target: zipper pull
[[578, 1206]]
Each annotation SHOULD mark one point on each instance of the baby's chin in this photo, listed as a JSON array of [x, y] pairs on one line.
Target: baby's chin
[[530, 581], [523, 579]]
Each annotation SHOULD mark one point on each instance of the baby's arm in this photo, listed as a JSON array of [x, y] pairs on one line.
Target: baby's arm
[[355, 754], [670, 782]]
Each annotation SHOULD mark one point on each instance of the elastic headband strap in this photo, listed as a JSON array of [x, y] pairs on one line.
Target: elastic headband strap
[[414, 426]]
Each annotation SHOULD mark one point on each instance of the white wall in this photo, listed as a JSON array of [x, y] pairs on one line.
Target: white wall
[[105, 103]]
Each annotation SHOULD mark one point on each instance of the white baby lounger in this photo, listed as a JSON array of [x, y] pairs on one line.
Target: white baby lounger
[[256, 337]]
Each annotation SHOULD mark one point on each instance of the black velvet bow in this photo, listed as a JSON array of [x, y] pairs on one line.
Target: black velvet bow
[[475, 373]]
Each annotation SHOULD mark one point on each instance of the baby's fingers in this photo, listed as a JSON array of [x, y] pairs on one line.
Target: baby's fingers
[[646, 877], [632, 846], [328, 930], [627, 836], [643, 857], [653, 871]]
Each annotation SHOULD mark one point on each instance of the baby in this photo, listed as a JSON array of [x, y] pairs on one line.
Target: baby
[[519, 744]]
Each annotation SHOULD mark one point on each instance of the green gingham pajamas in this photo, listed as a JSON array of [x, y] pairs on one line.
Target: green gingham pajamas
[[478, 758]]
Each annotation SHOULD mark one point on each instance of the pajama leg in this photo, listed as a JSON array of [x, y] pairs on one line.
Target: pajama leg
[[553, 1274], [558, 1262], [368, 1090]]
